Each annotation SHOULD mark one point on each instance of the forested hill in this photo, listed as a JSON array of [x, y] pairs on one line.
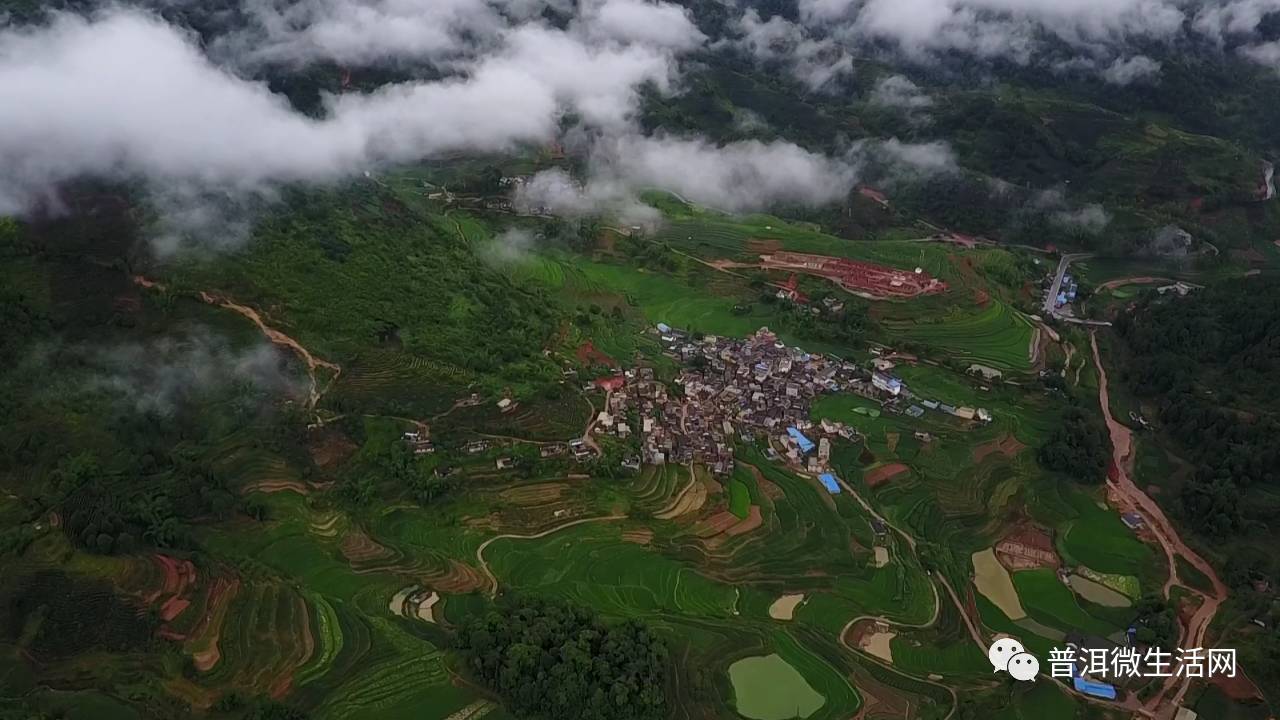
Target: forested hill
[[1211, 363]]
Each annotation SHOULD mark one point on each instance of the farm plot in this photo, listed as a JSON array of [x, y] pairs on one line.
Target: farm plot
[[768, 688], [1049, 601], [993, 581], [595, 567], [1098, 539], [998, 336]]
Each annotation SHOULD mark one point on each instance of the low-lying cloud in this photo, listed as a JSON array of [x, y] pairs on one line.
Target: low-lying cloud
[[126, 95], [1128, 70], [897, 91], [158, 376], [816, 62]]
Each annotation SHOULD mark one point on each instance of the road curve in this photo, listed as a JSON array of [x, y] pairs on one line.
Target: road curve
[[484, 566], [1138, 501]]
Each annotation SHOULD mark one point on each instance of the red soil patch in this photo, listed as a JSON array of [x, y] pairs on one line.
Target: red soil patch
[[220, 595], [753, 520], [1007, 446], [640, 536], [173, 607], [613, 382], [879, 281], [715, 524], [884, 473], [1239, 687], [587, 353], [761, 246], [360, 548], [458, 579], [539, 494], [178, 576], [981, 297], [330, 447], [768, 487], [1026, 547], [275, 486]]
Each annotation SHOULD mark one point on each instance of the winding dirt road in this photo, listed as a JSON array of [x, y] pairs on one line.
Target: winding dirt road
[[484, 565], [312, 362], [1133, 499]]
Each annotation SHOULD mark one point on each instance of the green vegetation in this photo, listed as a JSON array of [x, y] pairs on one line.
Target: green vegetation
[[767, 688], [997, 336], [559, 661], [1079, 447], [238, 542], [1048, 601]]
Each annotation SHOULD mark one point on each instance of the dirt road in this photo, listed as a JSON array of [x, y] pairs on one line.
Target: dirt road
[[312, 362], [484, 565], [1133, 499]]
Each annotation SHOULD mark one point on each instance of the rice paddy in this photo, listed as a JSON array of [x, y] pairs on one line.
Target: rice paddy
[[768, 688]]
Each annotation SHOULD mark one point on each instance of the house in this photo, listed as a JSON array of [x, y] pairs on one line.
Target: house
[[930, 404], [887, 383], [804, 443], [829, 482], [1133, 520], [505, 405], [506, 463], [984, 415], [987, 373], [824, 450], [915, 411], [965, 413], [552, 450], [631, 463]]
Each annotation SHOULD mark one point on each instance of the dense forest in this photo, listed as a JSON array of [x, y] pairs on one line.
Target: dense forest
[[1211, 362], [1078, 447], [556, 661]]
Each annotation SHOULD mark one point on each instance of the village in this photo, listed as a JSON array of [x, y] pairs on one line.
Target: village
[[748, 390]]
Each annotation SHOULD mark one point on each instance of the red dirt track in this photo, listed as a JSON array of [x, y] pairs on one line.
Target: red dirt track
[[856, 276]]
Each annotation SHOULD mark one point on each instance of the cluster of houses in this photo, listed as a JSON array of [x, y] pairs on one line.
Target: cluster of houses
[[744, 389], [733, 389]]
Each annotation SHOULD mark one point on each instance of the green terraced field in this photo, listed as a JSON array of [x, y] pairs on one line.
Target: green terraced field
[[767, 688], [1099, 539], [1049, 601], [997, 336]]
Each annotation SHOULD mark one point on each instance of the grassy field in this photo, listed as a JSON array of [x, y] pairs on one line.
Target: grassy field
[[1048, 601], [997, 336], [767, 688]]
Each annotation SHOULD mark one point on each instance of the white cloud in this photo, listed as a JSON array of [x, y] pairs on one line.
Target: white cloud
[[1234, 17], [510, 247], [897, 91], [1127, 70], [657, 24], [1090, 218], [930, 158], [737, 176], [741, 176], [813, 61], [126, 95], [159, 375], [361, 32], [1267, 53], [996, 28]]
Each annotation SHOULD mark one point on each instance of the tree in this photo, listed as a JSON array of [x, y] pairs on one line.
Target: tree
[[559, 661], [1079, 447]]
